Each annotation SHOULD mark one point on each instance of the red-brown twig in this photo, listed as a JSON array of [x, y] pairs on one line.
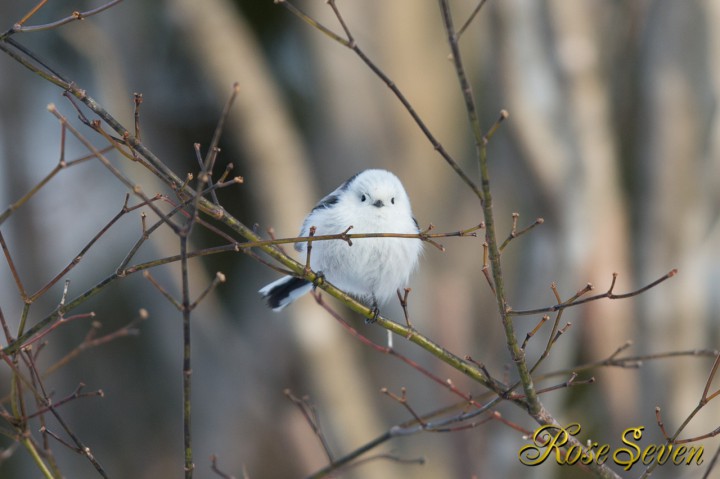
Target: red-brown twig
[[61, 321], [20, 27], [76, 260], [402, 400], [403, 298], [77, 445], [311, 417], [77, 394], [532, 333], [705, 398], [608, 294], [514, 233], [91, 341], [448, 384]]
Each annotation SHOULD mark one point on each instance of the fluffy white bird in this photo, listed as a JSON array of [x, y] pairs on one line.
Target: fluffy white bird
[[371, 269]]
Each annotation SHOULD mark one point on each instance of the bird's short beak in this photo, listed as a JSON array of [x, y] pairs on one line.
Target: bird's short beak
[[379, 204]]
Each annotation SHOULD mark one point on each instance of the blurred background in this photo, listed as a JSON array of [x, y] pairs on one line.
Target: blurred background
[[613, 138]]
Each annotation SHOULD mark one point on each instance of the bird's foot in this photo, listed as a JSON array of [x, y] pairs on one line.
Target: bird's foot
[[375, 314], [319, 279]]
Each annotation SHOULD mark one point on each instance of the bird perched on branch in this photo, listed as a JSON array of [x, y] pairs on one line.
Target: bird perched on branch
[[371, 269]]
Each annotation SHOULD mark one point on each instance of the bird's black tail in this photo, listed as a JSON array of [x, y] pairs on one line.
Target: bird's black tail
[[284, 291]]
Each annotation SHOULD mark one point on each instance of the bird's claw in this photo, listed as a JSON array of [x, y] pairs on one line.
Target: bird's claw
[[375, 314], [319, 279]]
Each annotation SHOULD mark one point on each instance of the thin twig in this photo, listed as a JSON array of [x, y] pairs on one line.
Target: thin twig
[[60, 322], [311, 417], [403, 298], [402, 400], [76, 260], [13, 269], [713, 463], [608, 294], [74, 16], [137, 101], [216, 469], [514, 233], [91, 342], [308, 248], [217, 280], [77, 445], [556, 331], [350, 43], [216, 137], [448, 384], [32, 12], [532, 333], [77, 394], [470, 19], [61, 165], [136, 189]]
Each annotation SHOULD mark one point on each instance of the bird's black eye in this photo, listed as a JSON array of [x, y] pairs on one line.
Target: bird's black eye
[[392, 200], [363, 198]]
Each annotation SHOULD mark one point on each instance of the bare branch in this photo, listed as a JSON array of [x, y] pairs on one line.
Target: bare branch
[[20, 27], [351, 44], [311, 417], [609, 295]]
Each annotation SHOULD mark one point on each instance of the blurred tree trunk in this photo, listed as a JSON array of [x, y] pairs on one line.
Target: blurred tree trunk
[[558, 97], [679, 180]]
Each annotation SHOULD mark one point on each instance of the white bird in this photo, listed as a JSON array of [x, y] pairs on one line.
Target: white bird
[[371, 269]]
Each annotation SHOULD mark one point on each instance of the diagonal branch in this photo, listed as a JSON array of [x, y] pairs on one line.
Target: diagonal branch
[[350, 43]]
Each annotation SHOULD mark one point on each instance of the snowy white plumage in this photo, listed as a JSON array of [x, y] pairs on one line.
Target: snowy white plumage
[[372, 269]]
